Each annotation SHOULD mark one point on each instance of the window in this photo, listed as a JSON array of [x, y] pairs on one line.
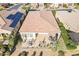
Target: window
[[29, 34]]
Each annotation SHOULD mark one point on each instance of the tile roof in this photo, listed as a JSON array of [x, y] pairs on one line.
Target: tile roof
[[2, 22], [39, 21], [71, 20]]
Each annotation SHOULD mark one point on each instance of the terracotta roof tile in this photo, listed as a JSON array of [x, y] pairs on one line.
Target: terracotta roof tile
[[39, 21]]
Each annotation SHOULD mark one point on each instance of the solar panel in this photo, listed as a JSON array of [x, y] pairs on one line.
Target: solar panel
[[10, 17], [17, 17]]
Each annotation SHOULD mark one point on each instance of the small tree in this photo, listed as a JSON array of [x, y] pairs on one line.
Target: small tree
[[7, 53], [11, 43], [3, 49], [1, 53], [65, 6], [60, 53], [1, 46]]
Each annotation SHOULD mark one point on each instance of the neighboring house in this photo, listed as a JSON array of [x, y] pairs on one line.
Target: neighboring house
[[6, 5], [39, 26], [2, 22], [66, 5], [10, 21], [71, 5], [71, 22], [54, 5], [38, 6], [41, 6], [69, 19], [34, 5]]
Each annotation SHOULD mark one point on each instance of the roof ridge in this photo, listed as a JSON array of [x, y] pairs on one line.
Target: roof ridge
[[46, 20], [3, 19]]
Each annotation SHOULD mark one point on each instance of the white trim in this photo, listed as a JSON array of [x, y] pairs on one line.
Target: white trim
[[42, 33], [35, 32]]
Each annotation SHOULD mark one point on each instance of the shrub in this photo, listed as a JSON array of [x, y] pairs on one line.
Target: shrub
[[60, 53], [65, 6], [3, 49], [1, 54], [7, 53]]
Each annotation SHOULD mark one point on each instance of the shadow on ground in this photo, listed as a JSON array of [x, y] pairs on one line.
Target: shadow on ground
[[74, 36]]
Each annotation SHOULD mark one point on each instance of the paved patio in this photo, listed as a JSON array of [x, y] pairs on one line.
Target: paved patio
[[46, 51]]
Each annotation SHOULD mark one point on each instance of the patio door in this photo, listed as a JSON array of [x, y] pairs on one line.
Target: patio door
[[30, 36]]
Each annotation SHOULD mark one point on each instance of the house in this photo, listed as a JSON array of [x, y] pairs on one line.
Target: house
[[9, 25], [34, 5], [6, 5], [10, 21], [41, 6], [2, 22], [70, 21], [39, 26]]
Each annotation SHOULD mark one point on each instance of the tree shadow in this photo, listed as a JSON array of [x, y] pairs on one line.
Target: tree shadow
[[41, 53], [24, 53], [34, 53]]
